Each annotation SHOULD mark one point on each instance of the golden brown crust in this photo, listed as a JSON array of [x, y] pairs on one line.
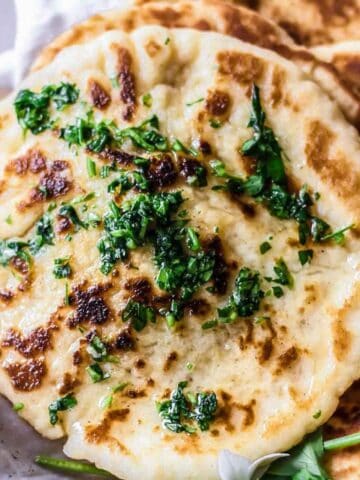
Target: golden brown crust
[[312, 22], [212, 15]]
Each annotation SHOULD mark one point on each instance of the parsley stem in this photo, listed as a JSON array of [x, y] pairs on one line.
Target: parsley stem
[[342, 442], [69, 466]]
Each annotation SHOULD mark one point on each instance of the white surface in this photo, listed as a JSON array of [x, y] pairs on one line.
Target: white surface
[[38, 22]]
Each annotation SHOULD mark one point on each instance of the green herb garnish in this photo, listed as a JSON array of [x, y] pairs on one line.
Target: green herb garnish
[[138, 314], [96, 373], [32, 109], [214, 123], [69, 466], [18, 406], [190, 104], [62, 268], [245, 299], [264, 247], [60, 405], [91, 167], [283, 276], [44, 234], [183, 411], [305, 256], [147, 100], [67, 210]]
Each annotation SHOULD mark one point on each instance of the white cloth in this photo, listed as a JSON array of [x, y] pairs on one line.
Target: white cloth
[[39, 22]]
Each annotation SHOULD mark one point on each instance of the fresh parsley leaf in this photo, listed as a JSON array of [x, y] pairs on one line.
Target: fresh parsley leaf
[[18, 406], [91, 167], [10, 249], [305, 256], [67, 210], [62, 268], [97, 349], [147, 100], [305, 457], [63, 95], [32, 109], [145, 136], [190, 104], [209, 324], [193, 239], [96, 373], [44, 234], [264, 247], [214, 123], [182, 412], [60, 405], [245, 299], [138, 314], [278, 292], [338, 236], [283, 277]]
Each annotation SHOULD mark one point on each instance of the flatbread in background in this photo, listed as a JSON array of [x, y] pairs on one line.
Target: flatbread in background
[[345, 58], [212, 15], [270, 378], [345, 464], [312, 22]]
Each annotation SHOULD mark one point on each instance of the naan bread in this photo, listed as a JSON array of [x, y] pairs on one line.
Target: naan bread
[[312, 22], [345, 464], [271, 376], [345, 58], [212, 15]]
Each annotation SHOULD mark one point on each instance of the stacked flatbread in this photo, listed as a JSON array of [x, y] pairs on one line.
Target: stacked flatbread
[[111, 332]]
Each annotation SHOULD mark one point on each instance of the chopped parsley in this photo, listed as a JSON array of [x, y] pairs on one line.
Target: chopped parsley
[[129, 227], [199, 100], [185, 412], [264, 247], [178, 146], [33, 109], [44, 234], [10, 249], [8, 220], [214, 123], [127, 180], [67, 210], [114, 80], [96, 373], [91, 167], [283, 276], [278, 292], [138, 315], [18, 406], [305, 256], [268, 184], [97, 349], [338, 236], [60, 405], [245, 299], [147, 100], [62, 268], [67, 296], [145, 136]]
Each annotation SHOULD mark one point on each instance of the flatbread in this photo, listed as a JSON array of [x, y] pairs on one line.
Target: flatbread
[[312, 22], [270, 377], [212, 15], [345, 57], [344, 464]]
